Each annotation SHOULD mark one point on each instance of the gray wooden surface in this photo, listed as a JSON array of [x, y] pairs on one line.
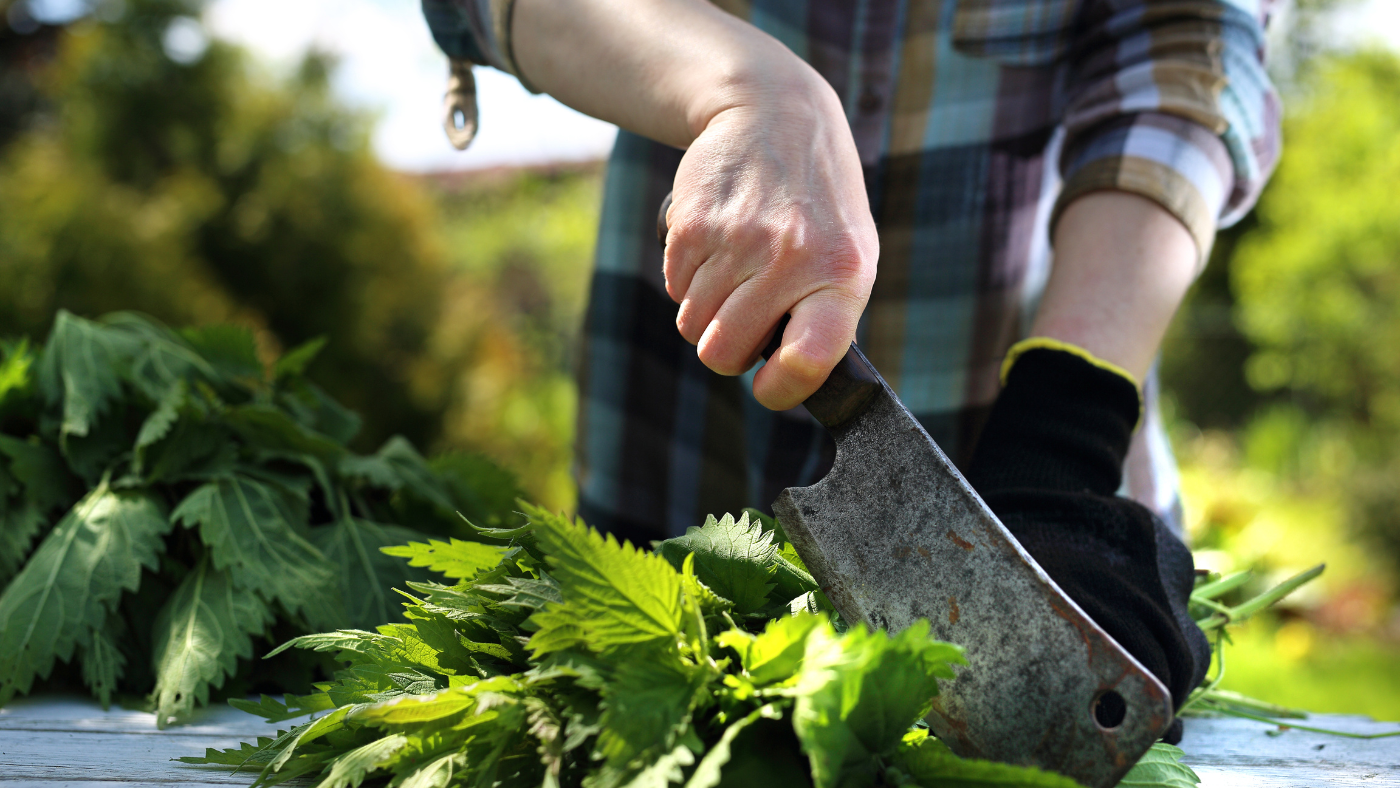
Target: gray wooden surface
[[54, 742]]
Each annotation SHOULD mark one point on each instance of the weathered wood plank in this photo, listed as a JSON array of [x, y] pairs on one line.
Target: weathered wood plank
[[59, 742], [1243, 754], [56, 742]]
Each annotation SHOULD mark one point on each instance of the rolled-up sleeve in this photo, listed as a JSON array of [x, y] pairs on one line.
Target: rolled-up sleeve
[[1170, 100], [474, 30]]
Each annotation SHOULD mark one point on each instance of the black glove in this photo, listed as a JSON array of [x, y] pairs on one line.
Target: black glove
[[1049, 463]]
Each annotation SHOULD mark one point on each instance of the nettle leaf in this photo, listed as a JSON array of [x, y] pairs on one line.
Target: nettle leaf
[[366, 575], [737, 560], [353, 767], [252, 529], [455, 558], [232, 350], [20, 521], [73, 581], [928, 763], [199, 635], [46, 479], [81, 369], [413, 472], [158, 424], [1161, 767], [647, 704], [776, 654], [858, 693], [295, 361], [614, 594], [103, 663], [271, 428], [483, 492]]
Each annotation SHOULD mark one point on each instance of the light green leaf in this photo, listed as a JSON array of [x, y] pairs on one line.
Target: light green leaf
[[438, 773], [857, 694], [199, 635], [616, 593], [103, 663], [367, 576], [708, 773], [251, 530], [353, 767], [928, 763], [73, 580], [1161, 767], [456, 559], [737, 560], [776, 654], [418, 709], [81, 369]]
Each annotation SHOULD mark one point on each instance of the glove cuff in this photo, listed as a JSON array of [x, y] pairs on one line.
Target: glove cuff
[[1046, 343], [1063, 421]]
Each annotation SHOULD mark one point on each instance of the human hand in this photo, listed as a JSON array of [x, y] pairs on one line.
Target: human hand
[[769, 216], [1049, 463]]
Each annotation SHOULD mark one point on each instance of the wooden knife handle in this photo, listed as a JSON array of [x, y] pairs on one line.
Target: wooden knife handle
[[849, 388]]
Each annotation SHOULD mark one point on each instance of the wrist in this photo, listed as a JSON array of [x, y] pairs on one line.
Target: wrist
[[766, 84]]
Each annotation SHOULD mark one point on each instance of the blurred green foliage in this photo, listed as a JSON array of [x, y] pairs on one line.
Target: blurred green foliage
[[1290, 340], [520, 247], [203, 192]]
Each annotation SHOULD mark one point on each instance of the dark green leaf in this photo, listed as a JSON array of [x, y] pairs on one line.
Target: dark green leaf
[[103, 663], [232, 350], [73, 581], [366, 575], [295, 361], [82, 369], [254, 530]]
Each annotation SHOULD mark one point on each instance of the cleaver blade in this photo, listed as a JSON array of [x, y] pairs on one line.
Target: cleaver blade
[[894, 534]]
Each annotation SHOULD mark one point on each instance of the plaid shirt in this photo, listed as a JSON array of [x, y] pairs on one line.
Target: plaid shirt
[[976, 121]]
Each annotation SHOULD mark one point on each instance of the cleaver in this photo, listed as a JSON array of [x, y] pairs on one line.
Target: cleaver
[[894, 534]]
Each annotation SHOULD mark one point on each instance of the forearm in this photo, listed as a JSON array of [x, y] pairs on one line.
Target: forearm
[[1122, 266], [660, 68]]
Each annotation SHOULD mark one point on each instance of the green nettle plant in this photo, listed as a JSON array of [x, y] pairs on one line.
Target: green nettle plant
[[166, 499], [564, 658]]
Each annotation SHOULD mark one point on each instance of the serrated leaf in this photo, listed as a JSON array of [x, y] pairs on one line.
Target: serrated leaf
[[858, 693], [647, 704], [737, 560], [200, 633], [482, 491], [527, 592], [250, 529], [103, 663], [455, 558], [232, 350], [366, 575], [81, 369], [776, 654], [20, 521], [16, 378], [1161, 767], [615, 593], [928, 763], [419, 709], [158, 424], [668, 769], [73, 580]]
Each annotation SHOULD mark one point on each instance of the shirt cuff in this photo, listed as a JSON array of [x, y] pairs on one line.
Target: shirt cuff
[[1177, 163]]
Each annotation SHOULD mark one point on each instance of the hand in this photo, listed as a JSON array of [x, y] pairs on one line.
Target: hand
[[770, 217], [1049, 463]]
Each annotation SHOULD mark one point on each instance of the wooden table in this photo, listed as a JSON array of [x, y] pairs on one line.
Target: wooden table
[[70, 742]]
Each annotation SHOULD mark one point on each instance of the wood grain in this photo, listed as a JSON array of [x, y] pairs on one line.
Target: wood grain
[[69, 742]]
